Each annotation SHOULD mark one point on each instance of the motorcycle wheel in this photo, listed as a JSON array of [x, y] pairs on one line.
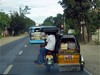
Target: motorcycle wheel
[[48, 67]]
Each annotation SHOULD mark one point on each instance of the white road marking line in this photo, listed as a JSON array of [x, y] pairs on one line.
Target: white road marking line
[[25, 46], [88, 72], [20, 52], [8, 69]]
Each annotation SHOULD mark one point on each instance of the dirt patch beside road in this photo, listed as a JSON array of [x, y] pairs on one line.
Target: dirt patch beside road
[[9, 39], [91, 56]]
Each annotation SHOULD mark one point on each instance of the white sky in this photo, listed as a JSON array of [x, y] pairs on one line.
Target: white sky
[[40, 9]]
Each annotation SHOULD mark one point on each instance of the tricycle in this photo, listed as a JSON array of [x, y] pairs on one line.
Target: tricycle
[[69, 56], [50, 57], [66, 53]]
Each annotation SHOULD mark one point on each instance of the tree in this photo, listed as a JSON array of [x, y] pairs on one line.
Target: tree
[[17, 22], [28, 23], [4, 21], [59, 20], [24, 11], [56, 21], [49, 21], [20, 23]]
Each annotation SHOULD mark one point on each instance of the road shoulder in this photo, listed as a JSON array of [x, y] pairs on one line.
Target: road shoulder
[[91, 56]]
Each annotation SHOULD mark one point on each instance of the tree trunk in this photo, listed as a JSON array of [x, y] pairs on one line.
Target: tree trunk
[[89, 36], [85, 34]]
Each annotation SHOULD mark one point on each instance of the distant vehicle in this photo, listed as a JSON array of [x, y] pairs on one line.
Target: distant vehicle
[[36, 33]]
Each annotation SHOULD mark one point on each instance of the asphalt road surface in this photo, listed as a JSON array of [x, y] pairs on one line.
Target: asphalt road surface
[[17, 58]]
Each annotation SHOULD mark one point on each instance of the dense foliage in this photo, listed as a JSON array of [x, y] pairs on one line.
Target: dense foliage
[[4, 21], [20, 23], [76, 11], [56, 21], [16, 22]]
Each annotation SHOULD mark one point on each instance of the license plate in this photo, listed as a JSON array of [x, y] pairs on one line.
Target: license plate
[[49, 62], [68, 57]]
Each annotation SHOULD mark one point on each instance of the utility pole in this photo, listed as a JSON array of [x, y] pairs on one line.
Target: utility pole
[[98, 11], [64, 24], [82, 30]]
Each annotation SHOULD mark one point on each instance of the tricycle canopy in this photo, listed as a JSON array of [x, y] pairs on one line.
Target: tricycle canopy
[[49, 29]]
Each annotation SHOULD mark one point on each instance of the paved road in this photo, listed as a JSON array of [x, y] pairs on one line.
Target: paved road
[[18, 58]]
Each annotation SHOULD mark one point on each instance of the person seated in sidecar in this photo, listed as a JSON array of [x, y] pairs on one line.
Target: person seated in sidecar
[[51, 40], [71, 45]]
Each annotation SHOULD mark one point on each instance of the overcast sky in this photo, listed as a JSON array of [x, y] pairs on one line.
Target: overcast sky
[[40, 9]]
